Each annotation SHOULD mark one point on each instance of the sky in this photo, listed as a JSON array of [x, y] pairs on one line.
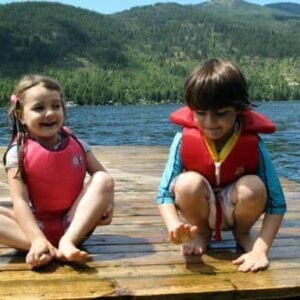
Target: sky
[[111, 6]]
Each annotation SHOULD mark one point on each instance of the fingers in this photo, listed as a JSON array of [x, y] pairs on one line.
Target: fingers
[[176, 234], [183, 233], [239, 260], [259, 266], [243, 263], [248, 263], [245, 267]]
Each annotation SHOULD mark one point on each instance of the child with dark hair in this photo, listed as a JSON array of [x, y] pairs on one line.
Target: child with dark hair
[[219, 175]]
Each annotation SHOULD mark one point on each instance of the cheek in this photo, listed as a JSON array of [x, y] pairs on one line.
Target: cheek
[[22, 118], [62, 117], [198, 122], [229, 123]]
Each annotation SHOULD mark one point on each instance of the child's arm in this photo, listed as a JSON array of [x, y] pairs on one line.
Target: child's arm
[[170, 217], [178, 231], [276, 206], [257, 258], [269, 229], [93, 164], [40, 249]]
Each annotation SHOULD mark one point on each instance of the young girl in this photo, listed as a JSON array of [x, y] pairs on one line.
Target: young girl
[[53, 212], [219, 174]]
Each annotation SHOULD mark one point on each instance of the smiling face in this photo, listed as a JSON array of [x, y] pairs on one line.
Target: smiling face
[[216, 125], [42, 114]]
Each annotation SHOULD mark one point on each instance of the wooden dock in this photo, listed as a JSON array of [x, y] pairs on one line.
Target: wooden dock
[[132, 259]]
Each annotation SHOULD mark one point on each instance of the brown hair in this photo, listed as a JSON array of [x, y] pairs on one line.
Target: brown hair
[[216, 84], [19, 132]]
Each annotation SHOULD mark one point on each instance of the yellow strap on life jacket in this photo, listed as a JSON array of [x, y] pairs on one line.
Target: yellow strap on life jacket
[[220, 157]]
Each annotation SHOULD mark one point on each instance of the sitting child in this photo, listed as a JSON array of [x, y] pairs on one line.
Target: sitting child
[[53, 211]]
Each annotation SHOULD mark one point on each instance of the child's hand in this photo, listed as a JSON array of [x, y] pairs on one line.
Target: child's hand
[[182, 233], [41, 252], [252, 261], [107, 215]]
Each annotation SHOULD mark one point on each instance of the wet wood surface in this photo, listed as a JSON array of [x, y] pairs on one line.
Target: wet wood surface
[[132, 258]]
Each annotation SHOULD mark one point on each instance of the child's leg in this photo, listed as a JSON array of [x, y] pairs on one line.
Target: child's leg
[[86, 212], [10, 232], [192, 195], [11, 235], [249, 197]]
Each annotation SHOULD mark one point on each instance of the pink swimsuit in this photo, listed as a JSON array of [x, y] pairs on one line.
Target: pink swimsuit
[[54, 179]]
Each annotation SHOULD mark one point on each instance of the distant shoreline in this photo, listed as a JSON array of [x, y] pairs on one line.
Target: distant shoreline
[[146, 103]]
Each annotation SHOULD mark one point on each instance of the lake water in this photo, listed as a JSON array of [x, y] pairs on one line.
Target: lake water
[[149, 125]]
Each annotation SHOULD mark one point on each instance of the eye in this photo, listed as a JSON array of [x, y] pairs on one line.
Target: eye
[[221, 113], [38, 108], [200, 113], [56, 106]]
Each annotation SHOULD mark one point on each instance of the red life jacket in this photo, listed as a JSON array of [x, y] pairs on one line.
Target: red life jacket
[[238, 157], [54, 177]]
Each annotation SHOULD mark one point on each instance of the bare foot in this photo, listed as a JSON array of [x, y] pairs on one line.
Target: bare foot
[[246, 240], [197, 246], [70, 252], [44, 259]]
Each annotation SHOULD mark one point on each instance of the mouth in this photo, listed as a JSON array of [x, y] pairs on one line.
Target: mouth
[[212, 132], [212, 129], [48, 124]]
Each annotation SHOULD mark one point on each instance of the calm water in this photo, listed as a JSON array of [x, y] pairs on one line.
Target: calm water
[[149, 125]]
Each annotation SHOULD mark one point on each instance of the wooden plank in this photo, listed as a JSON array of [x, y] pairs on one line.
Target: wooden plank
[[132, 258], [133, 281], [157, 254]]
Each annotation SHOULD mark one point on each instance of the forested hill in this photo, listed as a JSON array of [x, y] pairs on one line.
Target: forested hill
[[292, 8], [144, 54]]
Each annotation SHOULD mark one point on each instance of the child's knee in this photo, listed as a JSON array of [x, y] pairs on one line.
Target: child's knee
[[103, 181], [252, 190], [190, 184]]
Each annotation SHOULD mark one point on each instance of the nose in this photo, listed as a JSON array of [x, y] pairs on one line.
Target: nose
[[49, 112], [211, 118]]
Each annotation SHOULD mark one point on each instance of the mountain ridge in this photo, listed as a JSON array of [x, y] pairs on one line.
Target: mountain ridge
[[113, 56], [288, 7]]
